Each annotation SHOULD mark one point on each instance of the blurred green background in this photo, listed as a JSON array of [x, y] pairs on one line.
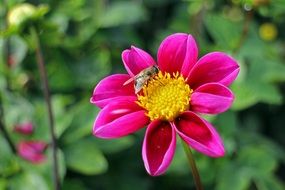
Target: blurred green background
[[82, 41]]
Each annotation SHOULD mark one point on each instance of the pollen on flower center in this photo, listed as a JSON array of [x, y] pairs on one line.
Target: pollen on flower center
[[165, 96]]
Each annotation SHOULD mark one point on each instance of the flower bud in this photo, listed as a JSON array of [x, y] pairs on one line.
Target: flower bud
[[21, 13], [32, 151], [25, 128], [24, 12], [268, 32]]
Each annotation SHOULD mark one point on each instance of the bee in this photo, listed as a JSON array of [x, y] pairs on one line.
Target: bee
[[142, 77]]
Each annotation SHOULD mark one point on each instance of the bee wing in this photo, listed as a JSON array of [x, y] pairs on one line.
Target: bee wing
[[139, 83], [138, 87], [129, 81]]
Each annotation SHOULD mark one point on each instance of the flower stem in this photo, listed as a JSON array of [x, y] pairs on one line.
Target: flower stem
[[3, 129], [6, 53], [7, 137], [245, 31], [6, 45], [46, 91], [193, 166]]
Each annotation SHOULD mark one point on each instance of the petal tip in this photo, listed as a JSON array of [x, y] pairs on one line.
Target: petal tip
[[158, 147], [95, 132], [136, 59], [133, 47], [91, 100], [219, 153], [155, 174]]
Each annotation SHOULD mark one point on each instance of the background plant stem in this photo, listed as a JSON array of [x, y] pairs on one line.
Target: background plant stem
[[6, 53], [193, 166], [245, 30], [46, 91], [7, 137], [3, 129], [6, 45]]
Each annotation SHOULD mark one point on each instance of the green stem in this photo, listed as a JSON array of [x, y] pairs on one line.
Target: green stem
[[245, 31], [46, 91], [7, 137], [6, 46], [4, 131], [6, 53], [193, 166]]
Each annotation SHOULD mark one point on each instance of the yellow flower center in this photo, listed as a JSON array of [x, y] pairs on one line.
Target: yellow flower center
[[165, 96]]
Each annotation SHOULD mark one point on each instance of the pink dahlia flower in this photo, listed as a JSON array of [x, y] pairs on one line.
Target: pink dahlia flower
[[170, 102], [25, 128], [32, 151]]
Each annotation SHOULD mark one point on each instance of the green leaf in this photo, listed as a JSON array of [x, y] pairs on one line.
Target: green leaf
[[275, 8], [83, 156], [259, 72], [227, 125], [84, 114], [18, 109], [18, 50], [251, 92], [86, 68], [245, 96], [27, 181], [233, 177], [114, 145], [41, 11], [8, 162], [253, 138], [8, 165], [63, 117], [269, 93], [59, 80], [226, 33], [275, 72], [3, 183], [123, 13], [258, 160], [269, 183]]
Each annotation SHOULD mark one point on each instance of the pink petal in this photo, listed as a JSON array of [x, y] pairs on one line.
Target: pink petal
[[111, 89], [199, 134], [135, 60], [24, 128], [38, 146], [118, 119], [214, 67], [211, 98], [177, 52], [32, 151], [158, 147]]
